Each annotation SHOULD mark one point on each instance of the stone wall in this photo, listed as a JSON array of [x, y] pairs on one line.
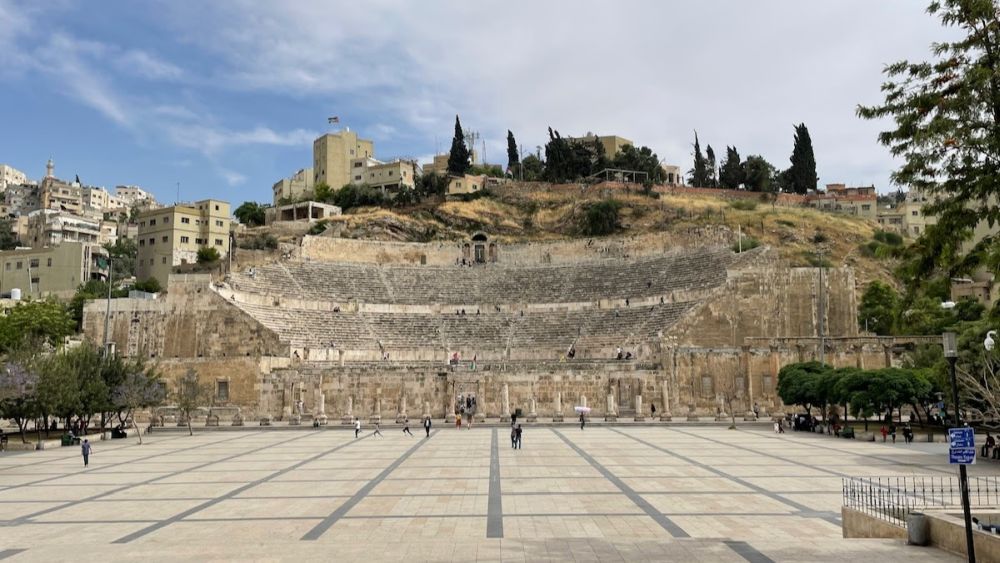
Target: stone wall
[[191, 321]]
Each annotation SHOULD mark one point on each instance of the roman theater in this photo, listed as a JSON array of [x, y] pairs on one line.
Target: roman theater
[[336, 328]]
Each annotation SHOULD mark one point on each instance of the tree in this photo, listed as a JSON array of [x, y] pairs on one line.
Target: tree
[[124, 254], [710, 163], [513, 158], [879, 308], [458, 158], [947, 118], [322, 192], [642, 159], [189, 395], [601, 218], [18, 391], [798, 384], [8, 239], [533, 167], [251, 213], [698, 176], [758, 174], [208, 255], [140, 388], [731, 174], [45, 321], [802, 173]]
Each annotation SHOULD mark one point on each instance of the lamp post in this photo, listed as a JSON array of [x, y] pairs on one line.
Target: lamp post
[[949, 339], [107, 313]]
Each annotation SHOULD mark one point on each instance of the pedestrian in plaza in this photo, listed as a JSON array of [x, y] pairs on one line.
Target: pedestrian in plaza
[[377, 432], [781, 427], [756, 411], [583, 421], [458, 421], [652, 410], [776, 427], [357, 426], [85, 449], [518, 436], [892, 432], [989, 445], [513, 438], [406, 427], [884, 432], [427, 427]]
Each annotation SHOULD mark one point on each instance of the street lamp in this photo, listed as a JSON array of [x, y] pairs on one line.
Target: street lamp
[[950, 342]]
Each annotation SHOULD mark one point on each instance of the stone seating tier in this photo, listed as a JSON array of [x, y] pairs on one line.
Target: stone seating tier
[[548, 330], [697, 269]]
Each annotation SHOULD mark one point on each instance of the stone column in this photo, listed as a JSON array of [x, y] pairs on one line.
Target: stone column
[[505, 407], [449, 403], [610, 415], [480, 415], [321, 410], [401, 415], [557, 416], [532, 414], [639, 415], [348, 417], [377, 415], [665, 413]]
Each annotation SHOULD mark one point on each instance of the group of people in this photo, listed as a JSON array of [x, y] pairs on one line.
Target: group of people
[[891, 432], [990, 449], [620, 355], [406, 427]]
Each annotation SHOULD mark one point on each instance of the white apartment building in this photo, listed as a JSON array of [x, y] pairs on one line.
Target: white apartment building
[[10, 176], [48, 227]]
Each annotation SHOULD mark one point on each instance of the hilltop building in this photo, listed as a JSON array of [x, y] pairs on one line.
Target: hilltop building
[[171, 236], [294, 188], [55, 270], [838, 198], [611, 143], [386, 176], [10, 176], [333, 155], [439, 165]]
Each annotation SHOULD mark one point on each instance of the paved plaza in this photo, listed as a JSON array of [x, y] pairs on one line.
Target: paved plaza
[[608, 493]]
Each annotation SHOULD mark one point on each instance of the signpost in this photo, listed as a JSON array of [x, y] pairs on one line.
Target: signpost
[[961, 442], [961, 446]]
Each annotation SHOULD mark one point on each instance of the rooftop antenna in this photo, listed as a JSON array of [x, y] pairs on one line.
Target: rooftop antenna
[[178, 200]]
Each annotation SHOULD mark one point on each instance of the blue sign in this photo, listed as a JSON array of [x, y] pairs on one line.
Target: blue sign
[[962, 456], [961, 438]]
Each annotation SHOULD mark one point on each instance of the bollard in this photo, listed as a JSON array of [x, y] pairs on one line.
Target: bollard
[[916, 528]]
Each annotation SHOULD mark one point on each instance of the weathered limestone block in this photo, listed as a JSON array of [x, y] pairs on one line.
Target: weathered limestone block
[[265, 420], [557, 415], [532, 415], [665, 413], [295, 419], [639, 415], [610, 415], [377, 414], [505, 410], [401, 415], [348, 417], [238, 419]]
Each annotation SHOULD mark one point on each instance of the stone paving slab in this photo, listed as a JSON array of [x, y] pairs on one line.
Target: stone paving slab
[[607, 493]]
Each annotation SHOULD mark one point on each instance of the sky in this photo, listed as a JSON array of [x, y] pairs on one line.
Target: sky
[[223, 98]]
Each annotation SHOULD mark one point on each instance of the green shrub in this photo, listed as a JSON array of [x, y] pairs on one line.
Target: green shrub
[[150, 285], [886, 237], [357, 196], [785, 222], [820, 237], [208, 255], [601, 218], [743, 204], [748, 243], [264, 241], [318, 227], [817, 262]]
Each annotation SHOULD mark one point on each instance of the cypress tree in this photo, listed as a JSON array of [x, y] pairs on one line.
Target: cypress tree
[[710, 163], [803, 171], [512, 157], [731, 173], [698, 176], [458, 159]]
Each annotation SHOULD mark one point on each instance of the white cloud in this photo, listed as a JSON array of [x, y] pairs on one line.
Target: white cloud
[[211, 140], [232, 178], [147, 65]]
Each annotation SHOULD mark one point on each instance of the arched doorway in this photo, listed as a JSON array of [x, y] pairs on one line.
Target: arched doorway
[[479, 247]]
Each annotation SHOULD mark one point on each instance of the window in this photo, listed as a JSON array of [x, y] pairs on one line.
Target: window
[[152, 241], [216, 207], [142, 223], [357, 165], [34, 281], [221, 390], [218, 242], [33, 263], [198, 241], [185, 220], [20, 265], [914, 213], [707, 387], [357, 178], [152, 222], [866, 207], [390, 172], [142, 242], [165, 238], [218, 223], [766, 384], [163, 260], [185, 240], [166, 220], [7, 266], [48, 262], [741, 384]]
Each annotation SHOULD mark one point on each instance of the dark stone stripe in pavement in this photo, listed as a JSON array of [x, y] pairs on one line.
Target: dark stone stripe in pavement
[[336, 515], [494, 511], [664, 522], [747, 551], [806, 511], [10, 553], [194, 510]]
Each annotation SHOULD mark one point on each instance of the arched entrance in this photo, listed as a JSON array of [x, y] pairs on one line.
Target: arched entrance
[[479, 247]]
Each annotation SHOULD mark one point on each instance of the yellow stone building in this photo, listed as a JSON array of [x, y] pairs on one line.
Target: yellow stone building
[[333, 154], [56, 270], [611, 143], [171, 236]]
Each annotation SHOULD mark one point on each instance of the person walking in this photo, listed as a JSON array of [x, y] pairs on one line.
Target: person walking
[[892, 432], [517, 438], [513, 438], [85, 449], [884, 432], [377, 432], [357, 426], [756, 411], [427, 427], [458, 421], [406, 427], [652, 410], [583, 421]]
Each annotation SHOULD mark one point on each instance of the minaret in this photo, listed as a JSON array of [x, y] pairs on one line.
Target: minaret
[[50, 169]]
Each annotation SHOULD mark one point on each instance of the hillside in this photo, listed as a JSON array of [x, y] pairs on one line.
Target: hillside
[[538, 212]]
